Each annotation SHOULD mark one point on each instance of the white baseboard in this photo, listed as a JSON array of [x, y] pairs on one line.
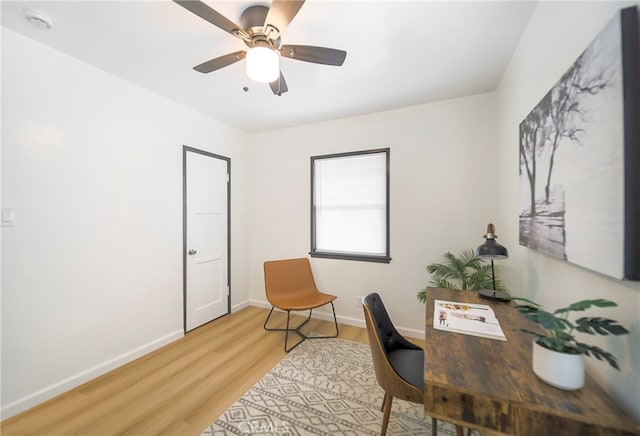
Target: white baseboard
[[411, 333], [356, 322], [241, 305], [57, 388]]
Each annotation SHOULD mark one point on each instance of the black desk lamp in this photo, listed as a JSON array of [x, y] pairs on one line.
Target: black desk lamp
[[492, 250]]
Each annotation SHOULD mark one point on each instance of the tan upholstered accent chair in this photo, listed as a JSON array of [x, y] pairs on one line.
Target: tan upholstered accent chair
[[399, 364], [290, 286]]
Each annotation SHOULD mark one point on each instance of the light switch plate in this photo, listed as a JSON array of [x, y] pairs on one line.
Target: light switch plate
[[8, 218]]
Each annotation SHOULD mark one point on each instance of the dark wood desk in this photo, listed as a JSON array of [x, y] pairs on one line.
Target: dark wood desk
[[489, 385]]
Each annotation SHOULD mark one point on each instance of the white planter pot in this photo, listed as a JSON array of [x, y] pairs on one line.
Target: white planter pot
[[564, 371]]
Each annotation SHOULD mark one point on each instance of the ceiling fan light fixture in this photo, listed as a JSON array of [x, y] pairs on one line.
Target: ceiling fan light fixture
[[263, 64]]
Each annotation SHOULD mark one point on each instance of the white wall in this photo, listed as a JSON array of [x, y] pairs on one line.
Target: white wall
[[91, 272], [442, 197], [92, 269], [556, 35]]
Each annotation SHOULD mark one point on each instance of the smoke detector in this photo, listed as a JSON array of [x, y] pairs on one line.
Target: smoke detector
[[38, 19]]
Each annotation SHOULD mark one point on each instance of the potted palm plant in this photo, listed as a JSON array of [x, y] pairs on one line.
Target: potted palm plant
[[558, 357], [465, 271]]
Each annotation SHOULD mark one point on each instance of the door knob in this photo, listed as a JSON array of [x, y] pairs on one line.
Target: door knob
[[192, 252]]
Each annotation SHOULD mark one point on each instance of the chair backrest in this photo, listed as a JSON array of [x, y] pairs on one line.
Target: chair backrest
[[288, 276], [383, 339], [387, 334]]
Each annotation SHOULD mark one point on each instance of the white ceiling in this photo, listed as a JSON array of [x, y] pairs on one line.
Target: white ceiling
[[398, 53]]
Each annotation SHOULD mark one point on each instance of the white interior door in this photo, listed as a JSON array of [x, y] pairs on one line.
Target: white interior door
[[206, 237]]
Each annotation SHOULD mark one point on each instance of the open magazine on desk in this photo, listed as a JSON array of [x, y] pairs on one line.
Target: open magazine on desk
[[470, 319]]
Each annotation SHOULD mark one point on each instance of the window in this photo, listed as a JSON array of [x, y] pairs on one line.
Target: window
[[350, 206]]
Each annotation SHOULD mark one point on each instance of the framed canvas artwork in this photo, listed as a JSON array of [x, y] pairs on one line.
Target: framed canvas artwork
[[580, 158]]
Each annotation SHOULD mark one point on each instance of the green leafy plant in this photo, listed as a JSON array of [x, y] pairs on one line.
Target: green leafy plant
[[465, 271], [559, 331]]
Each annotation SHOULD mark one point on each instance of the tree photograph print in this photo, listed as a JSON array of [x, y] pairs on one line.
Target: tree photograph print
[[572, 160]]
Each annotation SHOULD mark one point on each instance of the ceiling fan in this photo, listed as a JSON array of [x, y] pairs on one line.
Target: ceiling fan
[[260, 30]]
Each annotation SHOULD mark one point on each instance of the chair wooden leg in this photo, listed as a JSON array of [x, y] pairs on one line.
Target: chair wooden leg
[[384, 401], [387, 413], [459, 431]]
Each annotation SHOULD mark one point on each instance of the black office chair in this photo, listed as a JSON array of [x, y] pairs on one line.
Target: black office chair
[[399, 364]]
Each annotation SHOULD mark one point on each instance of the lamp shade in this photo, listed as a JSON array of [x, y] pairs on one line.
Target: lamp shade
[[263, 64], [491, 249]]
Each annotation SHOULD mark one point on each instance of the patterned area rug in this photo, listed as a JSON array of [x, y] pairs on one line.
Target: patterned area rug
[[322, 387]]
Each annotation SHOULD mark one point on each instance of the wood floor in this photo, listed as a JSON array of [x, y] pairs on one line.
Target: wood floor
[[176, 390]]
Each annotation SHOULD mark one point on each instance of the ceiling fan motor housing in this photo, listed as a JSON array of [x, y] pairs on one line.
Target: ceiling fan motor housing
[[252, 20], [253, 16]]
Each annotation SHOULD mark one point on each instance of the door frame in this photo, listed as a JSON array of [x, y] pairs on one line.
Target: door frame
[[186, 149]]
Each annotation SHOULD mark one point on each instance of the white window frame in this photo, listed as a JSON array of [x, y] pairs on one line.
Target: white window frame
[[345, 255]]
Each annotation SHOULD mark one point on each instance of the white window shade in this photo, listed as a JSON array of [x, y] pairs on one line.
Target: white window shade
[[350, 204]]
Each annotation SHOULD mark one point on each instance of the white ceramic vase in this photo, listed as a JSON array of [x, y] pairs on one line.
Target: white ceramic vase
[[562, 370]]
